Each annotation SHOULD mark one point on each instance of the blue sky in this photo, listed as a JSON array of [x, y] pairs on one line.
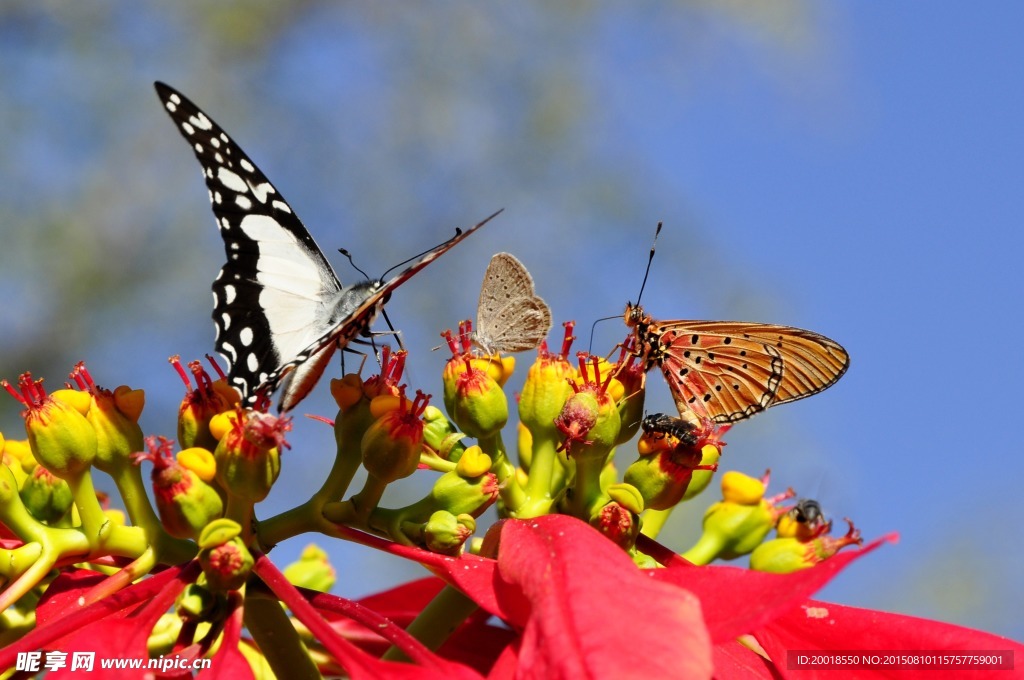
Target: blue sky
[[864, 183]]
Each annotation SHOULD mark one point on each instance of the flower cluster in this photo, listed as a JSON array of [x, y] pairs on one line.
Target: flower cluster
[[189, 575]]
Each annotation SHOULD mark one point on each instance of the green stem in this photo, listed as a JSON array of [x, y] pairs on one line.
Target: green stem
[[309, 515], [704, 550], [438, 620], [540, 490], [240, 510], [277, 638], [511, 493], [586, 490], [654, 521], [167, 548]]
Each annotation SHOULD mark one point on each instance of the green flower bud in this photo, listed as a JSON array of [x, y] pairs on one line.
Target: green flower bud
[[676, 460], [737, 524], [546, 390], [196, 603], [473, 398], [618, 523], [313, 570], [590, 420], [115, 417], [226, 566], [441, 436], [248, 454], [61, 438], [464, 495], [185, 502], [789, 554], [445, 533], [46, 496], [392, 444], [201, 404]]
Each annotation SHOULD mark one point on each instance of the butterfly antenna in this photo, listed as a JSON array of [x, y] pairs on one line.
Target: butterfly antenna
[[458, 232], [593, 326], [352, 262], [650, 259]]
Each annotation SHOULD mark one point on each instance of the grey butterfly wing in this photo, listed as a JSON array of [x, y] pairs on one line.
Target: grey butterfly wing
[[510, 317]]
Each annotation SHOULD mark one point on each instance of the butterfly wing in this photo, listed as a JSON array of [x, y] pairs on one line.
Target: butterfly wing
[[272, 299], [354, 310], [510, 317], [730, 370]]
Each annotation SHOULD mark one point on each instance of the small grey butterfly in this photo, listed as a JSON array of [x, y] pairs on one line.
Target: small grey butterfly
[[510, 317]]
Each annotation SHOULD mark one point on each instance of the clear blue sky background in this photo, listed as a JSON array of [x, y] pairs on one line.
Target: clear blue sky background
[[864, 182]]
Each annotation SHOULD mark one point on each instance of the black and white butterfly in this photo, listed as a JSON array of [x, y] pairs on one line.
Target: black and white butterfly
[[279, 308]]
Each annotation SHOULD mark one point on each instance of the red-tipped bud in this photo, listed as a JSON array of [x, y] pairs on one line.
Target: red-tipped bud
[[61, 438], [248, 454], [185, 502], [392, 444]]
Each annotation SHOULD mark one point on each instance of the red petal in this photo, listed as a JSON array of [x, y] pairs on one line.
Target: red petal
[[734, 660], [737, 601], [826, 626], [589, 605]]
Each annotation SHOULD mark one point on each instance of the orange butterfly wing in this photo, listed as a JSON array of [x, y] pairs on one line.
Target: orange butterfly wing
[[729, 370]]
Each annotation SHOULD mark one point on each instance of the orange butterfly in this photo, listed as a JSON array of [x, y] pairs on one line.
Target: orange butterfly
[[726, 371]]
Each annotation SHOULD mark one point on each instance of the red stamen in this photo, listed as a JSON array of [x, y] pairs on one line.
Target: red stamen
[[159, 452], [203, 382], [399, 367], [13, 392], [175, 361], [448, 338], [567, 340], [216, 367], [321, 419], [419, 405]]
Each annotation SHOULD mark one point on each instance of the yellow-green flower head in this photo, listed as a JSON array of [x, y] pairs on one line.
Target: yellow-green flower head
[[473, 398], [392, 444], [46, 496], [248, 454], [789, 554], [445, 533], [60, 436], [464, 495], [201, 403], [677, 460], [17, 455], [547, 388], [737, 524], [115, 417], [589, 421], [313, 570], [185, 501], [498, 367], [225, 559]]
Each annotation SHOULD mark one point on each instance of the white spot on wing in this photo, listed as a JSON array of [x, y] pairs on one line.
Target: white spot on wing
[[252, 362], [282, 206], [231, 180], [245, 335], [188, 128], [175, 98], [260, 191], [247, 166], [229, 294], [225, 319], [201, 121], [243, 202]]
